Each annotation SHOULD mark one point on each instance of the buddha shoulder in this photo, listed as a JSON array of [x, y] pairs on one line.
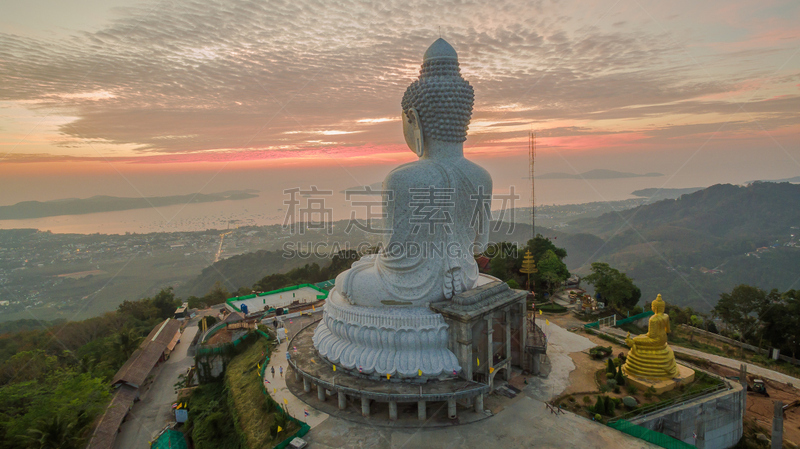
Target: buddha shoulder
[[414, 174]]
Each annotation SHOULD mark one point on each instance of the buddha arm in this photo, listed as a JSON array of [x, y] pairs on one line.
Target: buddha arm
[[656, 335]]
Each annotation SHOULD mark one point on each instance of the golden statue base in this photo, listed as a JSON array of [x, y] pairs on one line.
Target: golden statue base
[[685, 375]]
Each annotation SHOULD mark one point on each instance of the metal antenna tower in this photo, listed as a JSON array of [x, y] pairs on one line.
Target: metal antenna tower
[[531, 173]]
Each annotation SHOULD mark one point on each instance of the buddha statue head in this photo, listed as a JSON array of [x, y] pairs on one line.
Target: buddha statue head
[[658, 306], [437, 106]]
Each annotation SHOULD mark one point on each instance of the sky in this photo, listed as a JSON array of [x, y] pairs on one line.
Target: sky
[[131, 97]]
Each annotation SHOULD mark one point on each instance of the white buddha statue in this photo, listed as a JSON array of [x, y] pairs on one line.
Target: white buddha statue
[[376, 319], [438, 206]]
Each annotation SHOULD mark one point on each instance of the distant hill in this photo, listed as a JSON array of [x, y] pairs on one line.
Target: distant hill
[[795, 179], [102, 203], [723, 210], [597, 174], [655, 194], [243, 271], [693, 248]]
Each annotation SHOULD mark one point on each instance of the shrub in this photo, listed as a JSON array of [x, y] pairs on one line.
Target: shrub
[[599, 405], [610, 406], [611, 368], [609, 375], [598, 352], [571, 399], [597, 417], [611, 383], [620, 378], [603, 389], [587, 399], [632, 390], [616, 389]]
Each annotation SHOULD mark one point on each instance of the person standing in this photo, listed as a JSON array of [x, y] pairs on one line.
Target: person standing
[[281, 370], [273, 371]]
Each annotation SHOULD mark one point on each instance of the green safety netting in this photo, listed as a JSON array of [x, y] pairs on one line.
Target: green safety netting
[[630, 319], [170, 439], [323, 294], [651, 436]]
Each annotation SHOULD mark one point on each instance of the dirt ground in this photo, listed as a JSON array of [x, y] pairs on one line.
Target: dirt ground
[[760, 408], [222, 336]]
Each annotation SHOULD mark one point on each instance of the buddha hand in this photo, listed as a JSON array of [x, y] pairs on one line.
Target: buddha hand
[[629, 340]]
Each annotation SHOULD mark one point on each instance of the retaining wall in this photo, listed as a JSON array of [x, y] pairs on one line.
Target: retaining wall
[[716, 420]]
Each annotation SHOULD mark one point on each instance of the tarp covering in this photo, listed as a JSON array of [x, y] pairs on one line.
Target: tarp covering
[[170, 439], [651, 436]]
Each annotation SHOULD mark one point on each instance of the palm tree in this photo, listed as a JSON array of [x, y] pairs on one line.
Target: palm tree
[[55, 432], [125, 342]]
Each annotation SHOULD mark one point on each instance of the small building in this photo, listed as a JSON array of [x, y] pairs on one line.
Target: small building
[[155, 348], [182, 311]]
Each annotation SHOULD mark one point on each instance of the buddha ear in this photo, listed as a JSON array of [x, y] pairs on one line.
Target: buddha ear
[[416, 126]]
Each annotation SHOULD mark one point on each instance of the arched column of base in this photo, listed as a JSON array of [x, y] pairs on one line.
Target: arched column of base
[[321, 393], [451, 408], [422, 410], [365, 407], [306, 385], [342, 400], [479, 403], [393, 410]]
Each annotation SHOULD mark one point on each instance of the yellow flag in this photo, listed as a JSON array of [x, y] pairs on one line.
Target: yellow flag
[[419, 371], [491, 369], [280, 429], [388, 376], [285, 401], [334, 367], [274, 390], [313, 309], [547, 322], [540, 311], [479, 362]]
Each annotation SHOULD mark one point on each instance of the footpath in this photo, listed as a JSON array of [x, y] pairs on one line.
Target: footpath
[[276, 386]]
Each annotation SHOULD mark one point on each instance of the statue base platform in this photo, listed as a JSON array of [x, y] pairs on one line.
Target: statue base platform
[[363, 398], [403, 343], [685, 376]]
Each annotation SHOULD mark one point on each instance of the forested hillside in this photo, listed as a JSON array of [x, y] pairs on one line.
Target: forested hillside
[[693, 248]]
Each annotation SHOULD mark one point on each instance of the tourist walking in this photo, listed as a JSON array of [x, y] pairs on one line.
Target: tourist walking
[[281, 370], [273, 371]]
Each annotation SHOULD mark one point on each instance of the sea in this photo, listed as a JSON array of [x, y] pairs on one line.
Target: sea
[[274, 207]]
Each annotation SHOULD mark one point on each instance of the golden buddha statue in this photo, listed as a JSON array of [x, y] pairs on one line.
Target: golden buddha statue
[[650, 357]]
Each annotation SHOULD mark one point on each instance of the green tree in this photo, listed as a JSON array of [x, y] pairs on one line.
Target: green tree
[[780, 321], [513, 284], [166, 303], [217, 294], [124, 343], [615, 288], [739, 309], [552, 270], [55, 432]]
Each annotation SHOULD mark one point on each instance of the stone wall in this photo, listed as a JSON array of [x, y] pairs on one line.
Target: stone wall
[[715, 419]]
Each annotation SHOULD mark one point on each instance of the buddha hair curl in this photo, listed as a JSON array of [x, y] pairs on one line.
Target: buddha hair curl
[[443, 99]]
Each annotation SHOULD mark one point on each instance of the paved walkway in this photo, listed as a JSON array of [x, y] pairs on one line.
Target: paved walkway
[[764, 373], [276, 386], [154, 410]]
